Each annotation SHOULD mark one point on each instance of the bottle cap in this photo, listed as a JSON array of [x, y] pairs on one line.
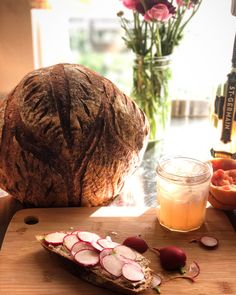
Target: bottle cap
[[233, 7]]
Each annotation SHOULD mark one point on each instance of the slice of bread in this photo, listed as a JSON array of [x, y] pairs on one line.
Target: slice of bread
[[97, 275]]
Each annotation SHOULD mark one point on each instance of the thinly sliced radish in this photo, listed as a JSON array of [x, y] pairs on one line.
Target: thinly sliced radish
[[97, 246], [156, 281], [86, 236], [112, 264], [125, 251], [75, 232], [69, 240], [105, 243], [87, 257], [105, 252], [130, 261], [132, 273], [108, 238], [209, 242], [55, 238], [194, 269], [80, 246]]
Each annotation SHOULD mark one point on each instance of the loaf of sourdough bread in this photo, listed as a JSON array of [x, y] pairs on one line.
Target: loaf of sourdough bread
[[69, 137]]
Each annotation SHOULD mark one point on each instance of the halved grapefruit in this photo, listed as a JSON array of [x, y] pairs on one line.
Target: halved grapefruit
[[222, 193]]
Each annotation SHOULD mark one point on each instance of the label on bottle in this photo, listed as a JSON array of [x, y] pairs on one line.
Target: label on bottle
[[222, 154], [229, 109]]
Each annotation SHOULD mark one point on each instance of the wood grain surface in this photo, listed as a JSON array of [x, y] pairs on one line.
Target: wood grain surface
[[26, 268]]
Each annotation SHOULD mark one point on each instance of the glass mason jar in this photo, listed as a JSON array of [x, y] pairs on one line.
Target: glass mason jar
[[151, 87], [182, 192]]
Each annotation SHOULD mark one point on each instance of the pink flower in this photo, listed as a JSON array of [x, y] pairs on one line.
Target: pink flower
[[141, 6], [159, 12], [131, 4], [150, 3], [134, 5]]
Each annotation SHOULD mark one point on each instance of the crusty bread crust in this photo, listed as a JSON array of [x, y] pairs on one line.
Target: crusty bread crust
[[69, 137], [96, 276]]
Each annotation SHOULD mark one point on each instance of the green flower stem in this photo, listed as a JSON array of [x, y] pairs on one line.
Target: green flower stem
[[145, 34], [144, 4], [149, 40], [150, 90], [178, 23], [191, 16], [158, 43]]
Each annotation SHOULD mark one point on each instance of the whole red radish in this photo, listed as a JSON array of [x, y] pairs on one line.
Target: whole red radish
[[171, 257], [136, 243]]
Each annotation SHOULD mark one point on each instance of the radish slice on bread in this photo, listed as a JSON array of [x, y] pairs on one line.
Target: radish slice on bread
[[132, 272], [86, 236], [129, 261], [105, 243], [126, 252], [69, 240], [80, 246], [87, 257], [55, 238], [104, 253], [75, 231], [97, 246], [112, 264]]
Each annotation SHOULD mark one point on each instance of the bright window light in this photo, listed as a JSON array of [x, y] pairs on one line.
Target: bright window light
[[89, 32]]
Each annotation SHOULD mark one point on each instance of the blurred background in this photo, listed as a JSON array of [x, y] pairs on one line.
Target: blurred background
[[40, 33]]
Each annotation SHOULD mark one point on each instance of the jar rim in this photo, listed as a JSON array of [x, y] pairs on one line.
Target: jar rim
[[183, 176]]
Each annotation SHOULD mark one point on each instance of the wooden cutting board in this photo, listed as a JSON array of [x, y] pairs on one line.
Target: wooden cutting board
[[26, 268]]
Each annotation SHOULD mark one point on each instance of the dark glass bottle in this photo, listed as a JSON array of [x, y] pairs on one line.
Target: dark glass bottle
[[223, 115]]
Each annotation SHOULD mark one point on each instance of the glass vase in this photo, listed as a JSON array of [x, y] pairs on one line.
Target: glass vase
[[151, 91]]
